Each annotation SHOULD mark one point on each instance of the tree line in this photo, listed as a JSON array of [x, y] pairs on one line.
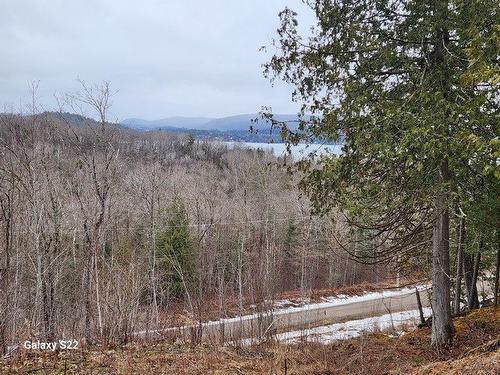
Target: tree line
[[106, 231]]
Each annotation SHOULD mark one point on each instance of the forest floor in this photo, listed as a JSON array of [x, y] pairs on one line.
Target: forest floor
[[475, 351]]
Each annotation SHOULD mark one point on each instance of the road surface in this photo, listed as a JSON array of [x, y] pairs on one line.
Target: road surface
[[259, 326]]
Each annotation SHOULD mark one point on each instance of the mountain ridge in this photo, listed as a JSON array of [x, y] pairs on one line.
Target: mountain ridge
[[228, 123]]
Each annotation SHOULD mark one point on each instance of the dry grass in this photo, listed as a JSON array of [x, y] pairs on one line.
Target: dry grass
[[371, 354], [485, 363]]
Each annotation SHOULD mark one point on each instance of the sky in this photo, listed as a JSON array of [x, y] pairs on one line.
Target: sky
[[165, 58]]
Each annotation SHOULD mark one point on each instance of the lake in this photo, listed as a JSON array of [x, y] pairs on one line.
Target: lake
[[299, 151]]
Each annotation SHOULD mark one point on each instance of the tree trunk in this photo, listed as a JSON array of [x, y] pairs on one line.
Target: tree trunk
[[97, 296], [87, 295], [497, 271], [470, 287], [442, 325], [240, 272], [48, 307], [6, 308], [458, 279], [153, 260], [473, 299], [420, 309]]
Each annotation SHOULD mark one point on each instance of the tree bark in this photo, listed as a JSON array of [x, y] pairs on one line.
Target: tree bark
[[420, 309], [6, 211], [87, 295], [458, 279], [473, 298], [497, 271], [470, 287], [442, 325]]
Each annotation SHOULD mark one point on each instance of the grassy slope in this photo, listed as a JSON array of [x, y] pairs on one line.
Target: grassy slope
[[372, 354]]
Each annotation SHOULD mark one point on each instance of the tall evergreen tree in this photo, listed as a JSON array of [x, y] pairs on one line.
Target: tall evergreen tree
[[412, 87], [176, 252]]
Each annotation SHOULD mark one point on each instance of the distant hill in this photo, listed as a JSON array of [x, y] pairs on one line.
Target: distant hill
[[243, 122], [230, 123], [231, 128], [239, 128], [169, 122]]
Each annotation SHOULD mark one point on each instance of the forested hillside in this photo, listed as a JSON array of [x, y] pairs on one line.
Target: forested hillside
[[106, 231], [368, 244]]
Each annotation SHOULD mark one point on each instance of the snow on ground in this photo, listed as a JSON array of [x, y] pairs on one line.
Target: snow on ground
[[353, 328], [344, 300], [329, 302], [342, 331]]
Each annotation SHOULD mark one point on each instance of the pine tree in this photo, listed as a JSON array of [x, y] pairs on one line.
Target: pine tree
[[412, 88], [176, 251]]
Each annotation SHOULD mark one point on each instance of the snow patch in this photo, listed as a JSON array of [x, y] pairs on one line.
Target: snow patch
[[344, 300], [350, 329], [354, 328], [328, 302]]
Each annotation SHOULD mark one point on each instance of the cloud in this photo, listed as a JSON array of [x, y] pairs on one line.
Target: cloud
[[171, 57]]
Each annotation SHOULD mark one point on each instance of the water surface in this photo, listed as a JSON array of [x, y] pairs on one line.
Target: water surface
[[299, 151]]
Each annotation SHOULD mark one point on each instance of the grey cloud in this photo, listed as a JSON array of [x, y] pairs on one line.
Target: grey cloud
[[174, 57]]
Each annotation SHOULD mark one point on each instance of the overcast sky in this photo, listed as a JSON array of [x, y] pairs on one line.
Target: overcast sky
[[166, 57]]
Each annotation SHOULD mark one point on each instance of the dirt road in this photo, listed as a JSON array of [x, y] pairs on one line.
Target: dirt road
[[308, 316]]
